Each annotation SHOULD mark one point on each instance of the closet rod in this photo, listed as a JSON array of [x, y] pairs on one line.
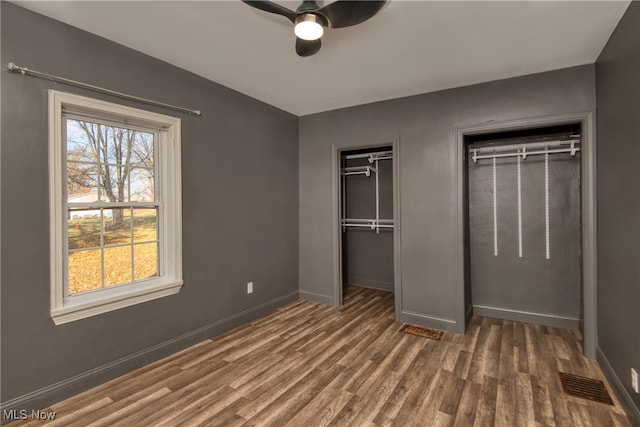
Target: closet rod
[[378, 154], [527, 146], [24, 71], [368, 223], [359, 170], [365, 220], [524, 154], [371, 226]]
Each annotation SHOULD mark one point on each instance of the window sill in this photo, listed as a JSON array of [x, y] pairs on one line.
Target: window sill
[[87, 305]]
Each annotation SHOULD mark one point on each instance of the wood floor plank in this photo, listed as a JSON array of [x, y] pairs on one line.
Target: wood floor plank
[[427, 412], [132, 406], [193, 408], [325, 406], [285, 407], [164, 407], [307, 364], [273, 389], [479, 351], [532, 364], [542, 407], [252, 372], [443, 420], [486, 412], [466, 412], [506, 398], [449, 361], [408, 390], [524, 413], [463, 364], [126, 401], [360, 351], [452, 396], [372, 399]]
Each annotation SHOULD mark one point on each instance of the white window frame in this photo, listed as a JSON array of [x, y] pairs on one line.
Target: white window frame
[[74, 307]]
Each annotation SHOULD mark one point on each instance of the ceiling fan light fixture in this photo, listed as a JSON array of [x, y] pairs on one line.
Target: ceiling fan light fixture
[[308, 27]]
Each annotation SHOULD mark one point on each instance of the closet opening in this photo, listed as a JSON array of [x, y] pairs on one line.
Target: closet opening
[[366, 208], [523, 225]]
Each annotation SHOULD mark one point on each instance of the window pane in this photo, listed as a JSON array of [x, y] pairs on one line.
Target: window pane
[[142, 150], [108, 152], [83, 228], [115, 183], [82, 183], [82, 138], [145, 260], [115, 142], [117, 265], [142, 185], [145, 224], [84, 271], [117, 226]]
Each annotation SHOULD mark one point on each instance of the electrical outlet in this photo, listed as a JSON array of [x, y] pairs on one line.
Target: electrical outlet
[[635, 382], [250, 287]]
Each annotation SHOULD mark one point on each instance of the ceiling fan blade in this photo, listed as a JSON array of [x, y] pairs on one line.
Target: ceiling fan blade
[[307, 47], [271, 7], [345, 13]]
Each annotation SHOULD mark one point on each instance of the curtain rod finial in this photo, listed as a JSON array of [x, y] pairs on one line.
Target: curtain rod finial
[[11, 66]]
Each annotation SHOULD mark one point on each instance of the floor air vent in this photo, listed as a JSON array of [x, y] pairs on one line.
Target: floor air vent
[[422, 332], [586, 388]]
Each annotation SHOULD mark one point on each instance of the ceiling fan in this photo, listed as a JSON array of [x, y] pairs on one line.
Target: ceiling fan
[[310, 19]]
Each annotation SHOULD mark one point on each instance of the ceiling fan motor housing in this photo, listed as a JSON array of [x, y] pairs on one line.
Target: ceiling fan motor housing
[[310, 19], [307, 6]]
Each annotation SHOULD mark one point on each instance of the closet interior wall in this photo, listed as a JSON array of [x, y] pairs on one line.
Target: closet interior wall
[[367, 253], [525, 225]]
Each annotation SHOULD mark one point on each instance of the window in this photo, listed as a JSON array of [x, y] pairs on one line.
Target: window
[[115, 206]]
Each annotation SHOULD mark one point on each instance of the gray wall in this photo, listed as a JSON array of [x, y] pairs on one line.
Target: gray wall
[[367, 255], [240, 220], [618, 127], [530, 288], [426, 126]]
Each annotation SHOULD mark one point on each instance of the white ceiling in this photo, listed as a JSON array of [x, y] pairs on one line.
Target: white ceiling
[[411, 47]]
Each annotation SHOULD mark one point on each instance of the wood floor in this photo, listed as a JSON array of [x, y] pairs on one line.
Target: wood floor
[[311, 365]]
